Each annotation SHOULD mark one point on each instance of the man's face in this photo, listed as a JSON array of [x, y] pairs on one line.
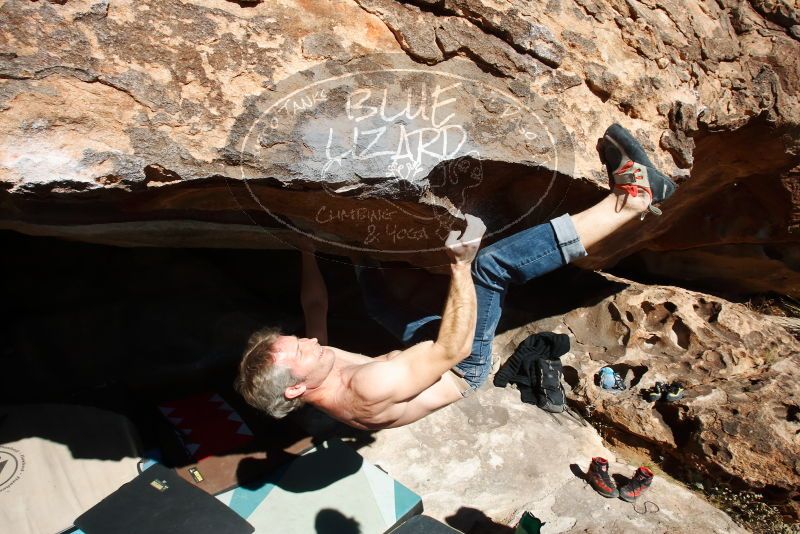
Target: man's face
[[305, 357]]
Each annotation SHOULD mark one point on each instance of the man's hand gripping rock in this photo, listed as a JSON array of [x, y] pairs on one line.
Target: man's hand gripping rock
[[462, 247]]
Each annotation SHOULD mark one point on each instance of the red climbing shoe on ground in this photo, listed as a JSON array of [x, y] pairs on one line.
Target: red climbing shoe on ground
[[600, 480], [638, 485]]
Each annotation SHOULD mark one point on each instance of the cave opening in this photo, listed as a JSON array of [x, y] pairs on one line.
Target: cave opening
[[88, 321], [161, 322]]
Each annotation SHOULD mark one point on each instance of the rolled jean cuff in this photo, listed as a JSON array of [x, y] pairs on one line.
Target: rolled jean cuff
[[567, 237]]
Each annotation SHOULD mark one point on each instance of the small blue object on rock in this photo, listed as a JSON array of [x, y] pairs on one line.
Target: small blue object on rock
[[610, 380]]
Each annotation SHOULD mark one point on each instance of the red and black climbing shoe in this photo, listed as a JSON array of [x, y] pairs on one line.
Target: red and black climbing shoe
[[639, 483], [600, 480], [630, 170]]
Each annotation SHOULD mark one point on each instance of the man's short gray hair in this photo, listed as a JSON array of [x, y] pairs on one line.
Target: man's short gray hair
[[261, 382]]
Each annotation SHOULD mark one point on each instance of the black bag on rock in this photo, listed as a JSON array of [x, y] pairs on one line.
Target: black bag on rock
[[536, 369], [158, 501]]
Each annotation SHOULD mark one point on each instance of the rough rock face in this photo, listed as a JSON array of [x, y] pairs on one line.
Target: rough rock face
[[247, 124], [739, 419]]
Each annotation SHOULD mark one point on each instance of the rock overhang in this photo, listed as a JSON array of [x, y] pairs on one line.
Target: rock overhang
[[152, 99]]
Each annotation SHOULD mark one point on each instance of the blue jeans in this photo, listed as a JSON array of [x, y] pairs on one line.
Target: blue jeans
[[515, 259]]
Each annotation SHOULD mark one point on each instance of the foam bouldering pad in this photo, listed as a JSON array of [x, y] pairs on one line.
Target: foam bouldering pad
[[329, 490], [423, 524], [158, 501], [220, 450], [57, 461]]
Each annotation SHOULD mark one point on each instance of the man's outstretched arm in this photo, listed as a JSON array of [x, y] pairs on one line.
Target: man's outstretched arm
[[456, 330], [417, 368]]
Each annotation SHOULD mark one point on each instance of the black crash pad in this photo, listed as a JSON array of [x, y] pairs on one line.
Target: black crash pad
[[422, 524], [158, 501]]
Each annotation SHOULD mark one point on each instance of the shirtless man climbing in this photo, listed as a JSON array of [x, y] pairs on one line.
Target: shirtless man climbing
[[279, 373]]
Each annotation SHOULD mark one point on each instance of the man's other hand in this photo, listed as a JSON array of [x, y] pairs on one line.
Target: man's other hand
[[462, 248]]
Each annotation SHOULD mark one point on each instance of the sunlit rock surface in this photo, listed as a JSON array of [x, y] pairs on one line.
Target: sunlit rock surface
[[480, 463], [370, 123]]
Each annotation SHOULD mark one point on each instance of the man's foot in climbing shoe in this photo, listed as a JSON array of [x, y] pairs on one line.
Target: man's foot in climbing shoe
[[674, 392], [600, 480], [639, 483], [630, 171]]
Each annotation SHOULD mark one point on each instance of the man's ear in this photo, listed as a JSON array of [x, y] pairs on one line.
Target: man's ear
[[295, 391]]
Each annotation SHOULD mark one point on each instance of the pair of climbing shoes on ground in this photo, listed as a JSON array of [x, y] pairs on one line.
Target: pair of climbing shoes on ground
[[600, 479], [667, 392]]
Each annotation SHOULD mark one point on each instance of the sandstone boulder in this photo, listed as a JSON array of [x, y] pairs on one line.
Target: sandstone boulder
[[226, 124]]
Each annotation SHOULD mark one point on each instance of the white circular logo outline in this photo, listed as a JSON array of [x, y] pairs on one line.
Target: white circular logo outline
[[370, 72]]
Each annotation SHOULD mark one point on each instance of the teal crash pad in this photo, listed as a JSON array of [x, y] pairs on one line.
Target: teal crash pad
[[329, 489]]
